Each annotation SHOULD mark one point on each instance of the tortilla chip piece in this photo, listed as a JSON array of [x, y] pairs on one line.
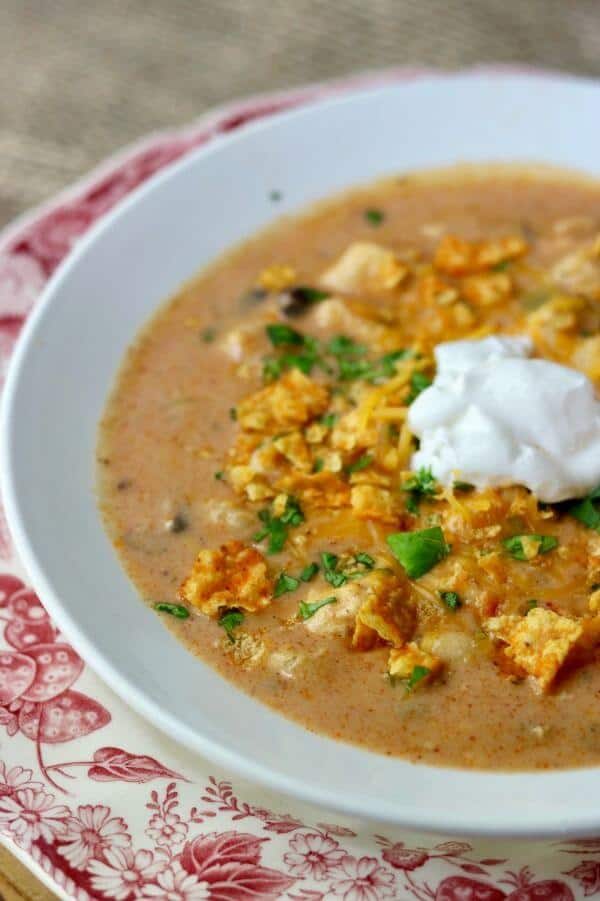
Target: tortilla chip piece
[[538, 642], [403, 661], [232, 576], [374, 502], [321, 489], [487, 290], [363, 267], [292, 400], [387, 613], [295, 449], [457, 256]]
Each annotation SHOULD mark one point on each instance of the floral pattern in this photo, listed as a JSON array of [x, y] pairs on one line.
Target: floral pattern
[[91, 821]]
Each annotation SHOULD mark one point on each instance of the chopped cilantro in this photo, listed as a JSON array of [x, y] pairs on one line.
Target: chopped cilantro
[[530, 605], [514, 545], [388, 362], [208, 335], [418, 674], [275, 196], [463, 486], [318, 465], [502, 266], [306, 610], [275, 528], [284, 584], [272, 369], [219, 475], [330, 569], [308, 295], [359, 464], [418, 383], [309, 572], [587, 510], [280, 334], [418, 552], [350, 369], [451, 599], [374, 216], [176, 610], [343, 346], [230, 621], [365, 559], [420, 484], [233, 413], [329, 420]]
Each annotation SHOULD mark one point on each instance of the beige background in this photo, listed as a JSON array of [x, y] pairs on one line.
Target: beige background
[[80, 78]]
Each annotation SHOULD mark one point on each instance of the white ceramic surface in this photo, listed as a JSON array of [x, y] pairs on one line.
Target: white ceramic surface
[[67, 360]]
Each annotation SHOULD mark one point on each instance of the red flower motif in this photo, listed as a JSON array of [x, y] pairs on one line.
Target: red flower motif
[[30, 814], [168, 830], [313, 855], [404, 858], [229, 862], [16, 778], [334, 829], [21, 281], [92, 832], [587, 875], [114, 764], [175, 884], [365, 880], [123, 873]]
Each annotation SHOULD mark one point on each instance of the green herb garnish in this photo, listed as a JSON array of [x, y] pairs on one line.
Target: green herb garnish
[[230, 621], [418, 383], [219, 475], [275, 528], [587, 510], [233, 413], [502, 266], [374, 216], [359, 464], [365, 560], [208, 335], [420, 484], [463, 486], [284, 584], [343, 346], [530, 605], [514, 545], [309, 572], [329, 420], [306, 610], [309, 295], [418, 552], [451, 599], [418, 674], [275, 196], [318, 465], [176, 610], [330, 569], [280, 334]]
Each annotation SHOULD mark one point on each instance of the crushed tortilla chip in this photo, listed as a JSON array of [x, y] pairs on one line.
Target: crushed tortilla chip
[[374, 502], [402, 662], [232, 576], [245, 650], [363, 267], [321, 489], [277, 277], [295, 449], [387, 613], [292, 400], [538, 642], [458, 256], [487, 290]]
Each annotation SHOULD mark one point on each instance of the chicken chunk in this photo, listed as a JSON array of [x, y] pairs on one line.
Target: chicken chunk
[[365, 267]]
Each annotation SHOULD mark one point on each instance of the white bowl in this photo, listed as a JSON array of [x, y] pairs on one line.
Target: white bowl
[[67, 360]]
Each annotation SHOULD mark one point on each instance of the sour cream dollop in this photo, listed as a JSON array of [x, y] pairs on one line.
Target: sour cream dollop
[[495, 416]]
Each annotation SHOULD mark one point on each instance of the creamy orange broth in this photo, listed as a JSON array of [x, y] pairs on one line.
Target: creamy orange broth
[[168, 430]]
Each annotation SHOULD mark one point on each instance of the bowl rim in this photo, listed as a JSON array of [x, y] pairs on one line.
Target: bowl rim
[[437, 821]]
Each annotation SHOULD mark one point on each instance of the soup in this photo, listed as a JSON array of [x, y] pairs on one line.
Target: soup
[[257, 475]]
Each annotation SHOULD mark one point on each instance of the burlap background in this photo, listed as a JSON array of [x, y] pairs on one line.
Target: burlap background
[[80, 78]]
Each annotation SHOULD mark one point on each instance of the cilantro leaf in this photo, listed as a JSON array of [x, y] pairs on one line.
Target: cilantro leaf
[[208, 334], [451, 599], [309, 572], [587, 510], [418, 552], [284, 584], [230, 621], [176, 610], [514, 545], [328, 420], [374, 216], [280, 334], [420, 484], [463, 486], [330, 569], [308, 295], [306, 610], [418, 674], [343, 346], [365, 559], [359, 464], [418, 383], [276, 527], [530, 605]]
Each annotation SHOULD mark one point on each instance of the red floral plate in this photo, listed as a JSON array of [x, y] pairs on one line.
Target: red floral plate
[[98, 803]]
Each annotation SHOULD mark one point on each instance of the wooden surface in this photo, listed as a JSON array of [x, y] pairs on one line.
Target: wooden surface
[[17, 883]]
